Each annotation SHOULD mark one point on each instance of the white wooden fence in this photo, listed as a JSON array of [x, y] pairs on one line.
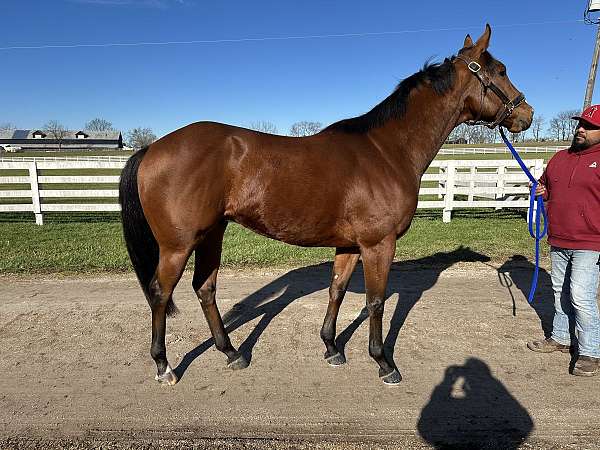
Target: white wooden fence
[[27, 195], [110, 158], [447, 185], [497, 150]]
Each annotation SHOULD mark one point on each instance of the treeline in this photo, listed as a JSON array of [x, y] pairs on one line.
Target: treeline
[[142, 136], [558, 128]]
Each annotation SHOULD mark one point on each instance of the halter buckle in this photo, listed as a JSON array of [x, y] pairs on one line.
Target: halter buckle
[[474, 66]]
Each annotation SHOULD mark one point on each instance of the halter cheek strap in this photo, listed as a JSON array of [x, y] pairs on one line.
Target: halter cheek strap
[[486, 82]]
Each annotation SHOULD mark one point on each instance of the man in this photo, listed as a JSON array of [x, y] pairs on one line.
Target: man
[[571, 185]]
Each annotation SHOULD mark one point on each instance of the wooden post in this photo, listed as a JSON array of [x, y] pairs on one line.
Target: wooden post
[[441, 186], [589, 91], [472, 183], [501, 184], [449, 194], [35, 193]]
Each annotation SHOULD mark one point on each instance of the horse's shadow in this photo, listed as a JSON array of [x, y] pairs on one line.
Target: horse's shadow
[[273, 298], [470, 408]]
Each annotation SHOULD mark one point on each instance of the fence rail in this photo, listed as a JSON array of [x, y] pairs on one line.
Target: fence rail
[[43, 186], [111, 158], [497, 150]]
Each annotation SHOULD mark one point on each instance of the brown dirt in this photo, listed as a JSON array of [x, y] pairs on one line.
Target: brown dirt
[[78, 374]]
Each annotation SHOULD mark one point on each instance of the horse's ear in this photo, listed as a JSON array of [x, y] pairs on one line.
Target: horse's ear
[[468, 41], [483, 42]]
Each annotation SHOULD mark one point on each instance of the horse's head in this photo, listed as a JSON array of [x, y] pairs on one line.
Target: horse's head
[[491, 96]]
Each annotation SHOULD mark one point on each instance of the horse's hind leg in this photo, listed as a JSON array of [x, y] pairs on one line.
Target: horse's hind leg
[[343, 266], [208, 259], [170, 267]]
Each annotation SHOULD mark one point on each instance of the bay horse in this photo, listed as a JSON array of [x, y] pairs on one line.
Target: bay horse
[[352, 186]]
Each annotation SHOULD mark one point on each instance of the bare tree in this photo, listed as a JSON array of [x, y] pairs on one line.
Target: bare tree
[[562, 126], [470, 134], [305, 128], [537, 125], [264, 126], [7, 126], [459, 135], [555, 128], [140, 137], [57, 130], [517, 137], [491, 135], [480, 134], [569, 124], [98, 125]]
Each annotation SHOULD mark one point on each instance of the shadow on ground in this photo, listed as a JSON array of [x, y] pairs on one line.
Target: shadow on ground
[[471, 409], [273, 298], [517, 274]]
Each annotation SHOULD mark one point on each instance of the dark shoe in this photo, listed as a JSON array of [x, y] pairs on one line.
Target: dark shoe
[[586, 366], [548, 345]]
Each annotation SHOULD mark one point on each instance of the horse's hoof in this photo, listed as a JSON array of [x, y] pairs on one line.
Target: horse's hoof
[[169, 378], [238, 362], [335, 360], [391, 378]]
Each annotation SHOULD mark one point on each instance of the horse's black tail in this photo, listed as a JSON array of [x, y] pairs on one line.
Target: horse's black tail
[[141, 244]]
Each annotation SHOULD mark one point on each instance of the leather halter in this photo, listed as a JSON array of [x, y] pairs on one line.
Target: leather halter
[[486, 82]]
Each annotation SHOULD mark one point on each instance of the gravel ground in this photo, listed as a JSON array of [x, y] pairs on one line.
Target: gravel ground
[[75, 354]]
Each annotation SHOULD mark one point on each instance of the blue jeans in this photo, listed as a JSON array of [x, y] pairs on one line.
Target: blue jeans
[[575, 275]]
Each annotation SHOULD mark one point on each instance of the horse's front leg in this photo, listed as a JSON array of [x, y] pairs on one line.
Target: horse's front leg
[[343, 266], [377, 260]]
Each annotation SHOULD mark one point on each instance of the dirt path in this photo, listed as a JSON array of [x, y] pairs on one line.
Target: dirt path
[[77, 370]]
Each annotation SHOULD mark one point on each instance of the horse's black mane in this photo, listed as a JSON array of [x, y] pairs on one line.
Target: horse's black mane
[[439, 76]]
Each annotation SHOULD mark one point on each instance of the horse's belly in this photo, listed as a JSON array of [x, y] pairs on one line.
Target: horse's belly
[[323, 233]]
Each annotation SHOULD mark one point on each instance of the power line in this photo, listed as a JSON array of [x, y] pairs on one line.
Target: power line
[[272, 38]]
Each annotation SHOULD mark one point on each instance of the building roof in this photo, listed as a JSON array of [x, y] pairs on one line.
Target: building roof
[[28, 134]]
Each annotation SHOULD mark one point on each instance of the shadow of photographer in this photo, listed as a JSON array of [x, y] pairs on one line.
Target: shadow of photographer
[[470, 408]]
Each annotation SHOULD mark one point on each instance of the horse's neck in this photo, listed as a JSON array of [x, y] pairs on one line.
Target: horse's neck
[[429, 120]]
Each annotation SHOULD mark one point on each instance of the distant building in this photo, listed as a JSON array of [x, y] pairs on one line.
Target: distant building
[[72, 140], [456, 141]]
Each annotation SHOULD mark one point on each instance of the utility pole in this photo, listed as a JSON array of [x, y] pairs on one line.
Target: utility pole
[[593, 69], [592, 6]]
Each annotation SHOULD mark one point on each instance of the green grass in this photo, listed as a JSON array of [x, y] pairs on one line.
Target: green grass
[[92, 243]]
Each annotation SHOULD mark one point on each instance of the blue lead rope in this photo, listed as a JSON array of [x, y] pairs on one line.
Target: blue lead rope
[[540, 211]]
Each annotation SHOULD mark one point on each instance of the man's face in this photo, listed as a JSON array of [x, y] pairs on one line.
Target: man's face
[[586, 135]]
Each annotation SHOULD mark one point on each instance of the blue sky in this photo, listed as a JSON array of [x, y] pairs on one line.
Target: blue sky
[[239, 80]]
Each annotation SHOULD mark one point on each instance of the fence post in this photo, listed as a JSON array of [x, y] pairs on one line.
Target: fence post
[[449, 194], [35, 193], [500, 184], [441, 184], [472, 171]]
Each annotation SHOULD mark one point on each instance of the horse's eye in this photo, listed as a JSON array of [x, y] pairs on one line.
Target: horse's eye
[[503, 73]]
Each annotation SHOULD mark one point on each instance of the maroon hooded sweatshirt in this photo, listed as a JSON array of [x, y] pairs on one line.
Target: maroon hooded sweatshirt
[[572, 181]]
